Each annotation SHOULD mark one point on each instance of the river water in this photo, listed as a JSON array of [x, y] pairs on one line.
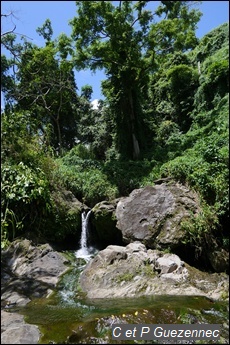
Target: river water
[[67, 317]]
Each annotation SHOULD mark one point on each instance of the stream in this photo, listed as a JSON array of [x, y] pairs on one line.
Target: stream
[[67, 317]]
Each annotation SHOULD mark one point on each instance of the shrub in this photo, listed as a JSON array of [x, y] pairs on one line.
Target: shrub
[[25, 198]]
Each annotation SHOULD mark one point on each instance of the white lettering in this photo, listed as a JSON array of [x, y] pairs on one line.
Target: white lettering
[[128, 333], [180, 333], [134, 331], [173, 333], [158, 334], [194, 333], [208, 333], [114, 330], [216, 331], [187, 333], [144, 330]]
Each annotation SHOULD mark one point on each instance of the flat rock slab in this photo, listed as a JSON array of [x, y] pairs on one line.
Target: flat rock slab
[[16, 331], [134, 271]]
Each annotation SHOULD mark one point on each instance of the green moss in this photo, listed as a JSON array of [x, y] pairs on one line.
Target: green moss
[[125, 277], [225, 295], [147, 270]]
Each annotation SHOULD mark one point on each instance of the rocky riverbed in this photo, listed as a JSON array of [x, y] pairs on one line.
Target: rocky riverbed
[[30, 272], [134, 271]]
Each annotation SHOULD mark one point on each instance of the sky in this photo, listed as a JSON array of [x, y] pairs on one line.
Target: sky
[[32, 14]]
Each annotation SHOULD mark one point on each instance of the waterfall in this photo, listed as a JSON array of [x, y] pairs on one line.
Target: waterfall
[[84, 229], [84, 251]]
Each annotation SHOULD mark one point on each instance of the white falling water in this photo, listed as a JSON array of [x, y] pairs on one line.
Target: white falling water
[[84, 251]]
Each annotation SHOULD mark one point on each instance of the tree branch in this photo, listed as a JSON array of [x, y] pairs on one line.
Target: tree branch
[[8, 32]]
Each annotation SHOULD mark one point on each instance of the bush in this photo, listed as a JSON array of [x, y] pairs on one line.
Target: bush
[[87, 182], [25, 199]]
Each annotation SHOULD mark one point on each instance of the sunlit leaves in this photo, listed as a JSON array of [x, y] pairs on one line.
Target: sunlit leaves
[[46, 30]]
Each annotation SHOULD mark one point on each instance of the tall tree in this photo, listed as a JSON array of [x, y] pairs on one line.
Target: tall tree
[[120, 39], [44, 85], [47, 88], [105, 37]]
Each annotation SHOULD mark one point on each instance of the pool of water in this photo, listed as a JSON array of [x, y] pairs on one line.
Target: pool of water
[[67, 317]]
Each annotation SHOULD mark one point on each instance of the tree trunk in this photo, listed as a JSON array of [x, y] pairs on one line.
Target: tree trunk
[[136, 148]]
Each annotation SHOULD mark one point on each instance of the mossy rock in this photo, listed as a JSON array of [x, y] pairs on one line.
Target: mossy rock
[[104, 223]]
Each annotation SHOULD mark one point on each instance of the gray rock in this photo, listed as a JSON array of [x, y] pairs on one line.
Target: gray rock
[[136, 247], [120, 271], [40, 263], [166, 265], [113, 253], [104, 223], [219, 260], [153, 215], [15, 331], [27, 270]]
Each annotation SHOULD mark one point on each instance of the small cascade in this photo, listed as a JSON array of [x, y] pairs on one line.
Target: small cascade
[[84, 252]]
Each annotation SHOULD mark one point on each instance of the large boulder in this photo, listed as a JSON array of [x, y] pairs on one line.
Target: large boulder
[[219, 259], [134, 271], [153, 215], [104, 230], [28, 271]]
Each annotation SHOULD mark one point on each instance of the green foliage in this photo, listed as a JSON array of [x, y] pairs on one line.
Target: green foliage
[[204, 167], [78, 152], [215, 82], [213, 55], [172, 93], [44, 86], [92, 181], [23, 144], [7, 81], [176, 31], [25, 198], [63, 221], [46, 30], [84, 177], [9, 223], [211, 43], [122, 40], [209, 178], [165, 131], [125, 277], [86, 92], [94, 128], [200, 230], [127, 175], [200, 157], [166, 107], [22, 183]]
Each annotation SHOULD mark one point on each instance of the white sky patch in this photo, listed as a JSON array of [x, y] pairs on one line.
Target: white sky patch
[[95, 104]]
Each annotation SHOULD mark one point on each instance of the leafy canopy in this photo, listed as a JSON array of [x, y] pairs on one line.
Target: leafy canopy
[[123, 40]]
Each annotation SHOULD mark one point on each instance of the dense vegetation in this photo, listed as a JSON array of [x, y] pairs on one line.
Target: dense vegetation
[[165, 113]]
